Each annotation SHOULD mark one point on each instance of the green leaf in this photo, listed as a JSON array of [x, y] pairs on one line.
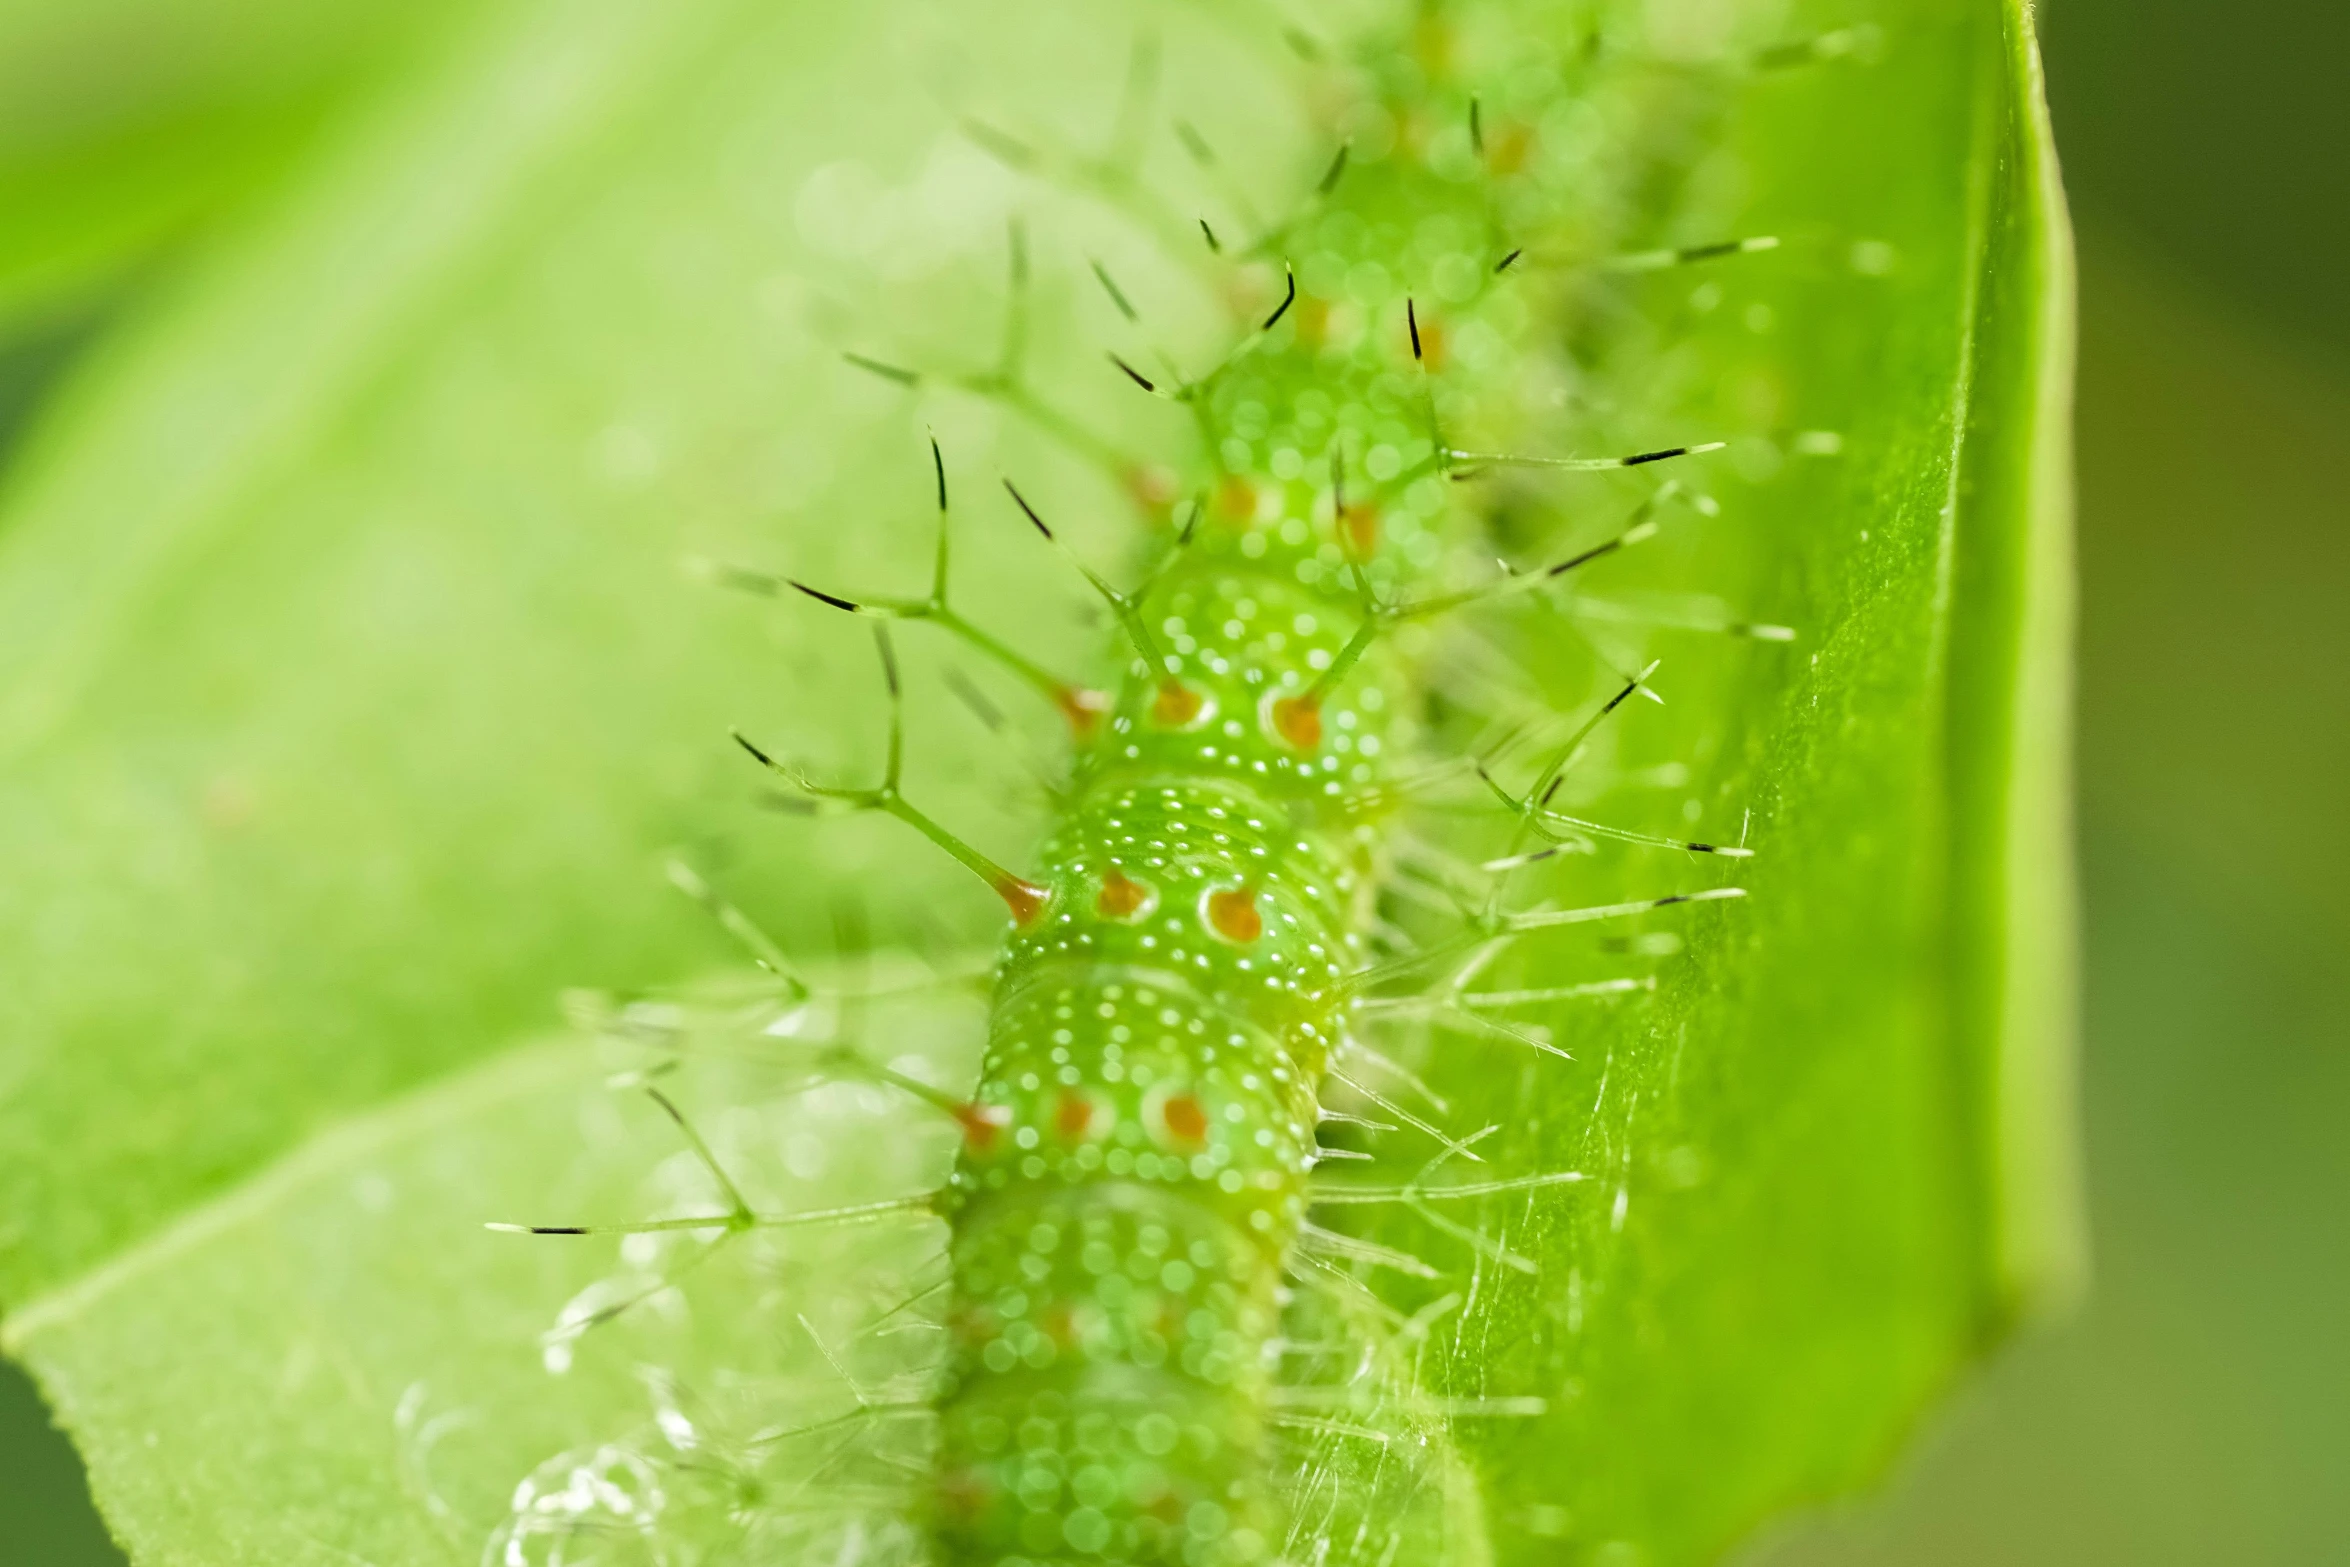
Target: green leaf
[[1835, 1163], [354, 693], [131, 120]]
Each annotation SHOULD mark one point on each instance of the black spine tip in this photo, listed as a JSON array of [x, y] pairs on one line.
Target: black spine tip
[[757, 755], [557, 1229], [1659, 456], [1214, 248], [1134, 375], [938, 465], [822, 597], [1727, 247], [1507, 262], [1587, 557], [1027, 510], [1411, 315], [1288, 299]]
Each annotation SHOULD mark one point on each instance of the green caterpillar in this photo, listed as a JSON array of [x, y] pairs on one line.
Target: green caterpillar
[[1139, 1160], [1156, 1351]]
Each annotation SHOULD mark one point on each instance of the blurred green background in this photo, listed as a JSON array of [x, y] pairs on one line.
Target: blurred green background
[[2197, 1409]]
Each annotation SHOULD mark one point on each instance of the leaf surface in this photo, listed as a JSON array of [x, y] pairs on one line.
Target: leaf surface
[[354, 693], [1832, 1163], [131, 121]]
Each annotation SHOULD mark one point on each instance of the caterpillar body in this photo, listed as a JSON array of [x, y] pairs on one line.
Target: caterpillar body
[[1158, 1341]]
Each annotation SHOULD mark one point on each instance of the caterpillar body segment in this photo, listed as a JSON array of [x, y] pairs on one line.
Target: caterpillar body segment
[[1138, 1169]]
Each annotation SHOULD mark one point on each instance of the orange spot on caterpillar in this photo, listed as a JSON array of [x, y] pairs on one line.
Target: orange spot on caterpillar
[[1232, 914], [1185, 1118], [1296, 721], [982, 1124], [1236, 499], [1084, 708], [1025, 899], [1122, 897], [1073, 1115], [1176, 704], [1358, 529]]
